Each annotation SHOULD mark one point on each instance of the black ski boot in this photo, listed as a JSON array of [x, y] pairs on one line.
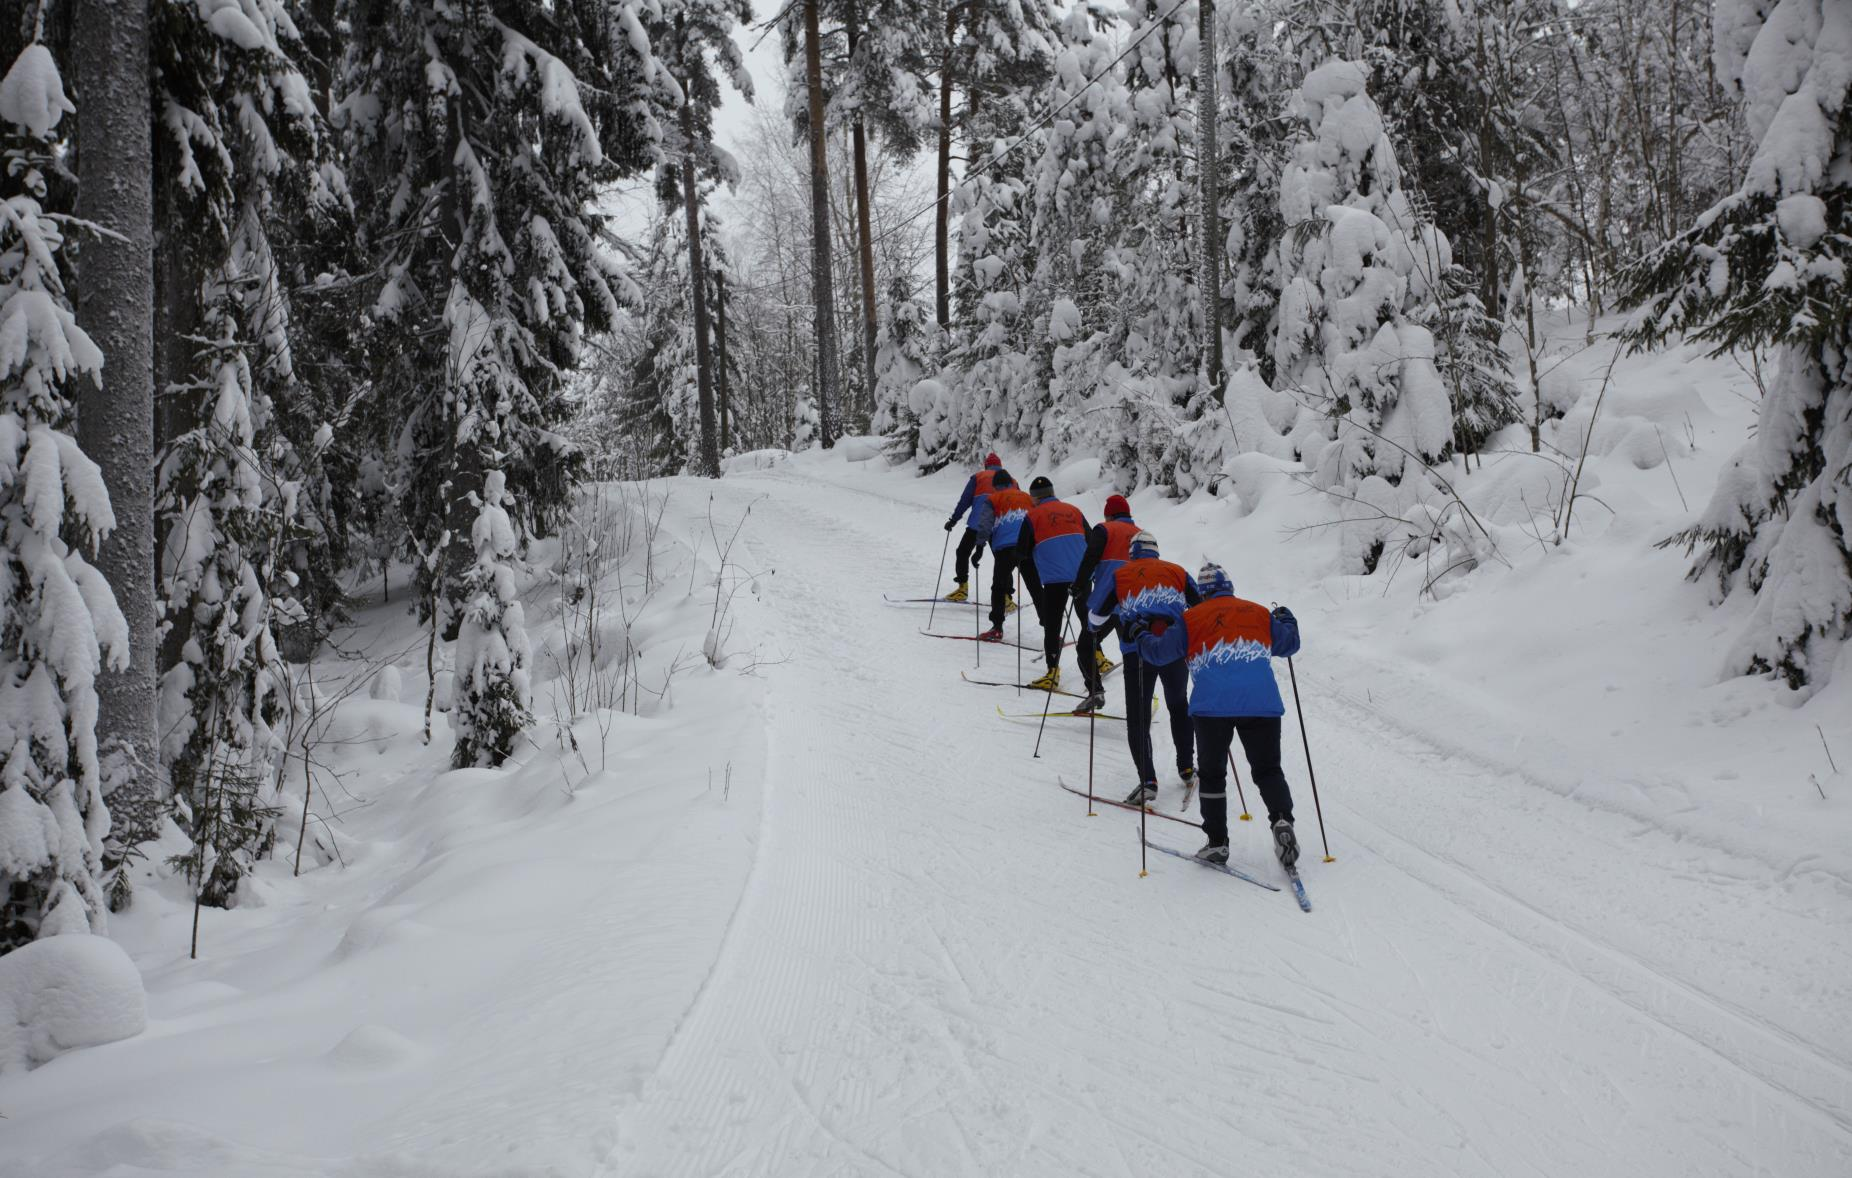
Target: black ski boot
[[1285, 843], [1144, 795]]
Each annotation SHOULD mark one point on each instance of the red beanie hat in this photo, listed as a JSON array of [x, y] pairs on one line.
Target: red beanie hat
[[1117, 506], [992, 462]]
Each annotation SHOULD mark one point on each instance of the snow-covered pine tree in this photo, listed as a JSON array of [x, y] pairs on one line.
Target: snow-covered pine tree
[[1769, 266], [1079, 202], [1362, 278], [1362, 272], [238, 129], [493, 688], [479, 136], [61, 624], [906, 355]]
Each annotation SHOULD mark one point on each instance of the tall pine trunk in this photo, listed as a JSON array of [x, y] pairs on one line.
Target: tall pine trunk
[[942, 219], [115, 304], [1209, 272], [722, 387], [820, 276], [865, 235], [697, 278]]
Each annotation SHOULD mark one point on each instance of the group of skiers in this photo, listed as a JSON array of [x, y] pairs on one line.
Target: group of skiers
[[1208, 649]]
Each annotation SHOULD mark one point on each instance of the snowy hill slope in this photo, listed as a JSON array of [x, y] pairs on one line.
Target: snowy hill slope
[[1587, 913]]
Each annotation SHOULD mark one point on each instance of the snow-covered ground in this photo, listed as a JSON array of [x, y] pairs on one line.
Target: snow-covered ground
[[820, 911]]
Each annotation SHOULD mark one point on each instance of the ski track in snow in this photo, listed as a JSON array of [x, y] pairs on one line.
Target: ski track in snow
[[941, 966]]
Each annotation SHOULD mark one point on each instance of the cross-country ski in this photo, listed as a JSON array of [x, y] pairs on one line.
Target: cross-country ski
[[474, 479]]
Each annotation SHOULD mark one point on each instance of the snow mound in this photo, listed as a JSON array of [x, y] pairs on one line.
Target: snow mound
[[860, 448], [62, 993], [373, 1048], [1079, 476], [754, 460]]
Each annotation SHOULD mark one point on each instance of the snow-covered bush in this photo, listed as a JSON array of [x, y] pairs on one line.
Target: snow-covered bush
[[494, 696], [1771, 266], [62, 993], [60, 622]]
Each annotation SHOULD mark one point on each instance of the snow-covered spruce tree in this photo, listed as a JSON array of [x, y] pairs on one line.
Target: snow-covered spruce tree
[[1253, 80], [60, 620], [237, 127], [1079, 202], [1362, 277], [479, 136], [906, 355], [1361, 273], [659, 412], [998, 397], [1768, 266], [493, 690]]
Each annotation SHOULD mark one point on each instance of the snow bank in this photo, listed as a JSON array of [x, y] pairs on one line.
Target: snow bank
[[58, 994], [753, 460], [860, 448]]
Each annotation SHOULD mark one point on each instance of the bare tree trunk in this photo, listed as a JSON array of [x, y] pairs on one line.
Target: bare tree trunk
[[115, 420], [1209, 271], [821, 279], [942, 219], [697, 278], [722, 388], [865, 232]]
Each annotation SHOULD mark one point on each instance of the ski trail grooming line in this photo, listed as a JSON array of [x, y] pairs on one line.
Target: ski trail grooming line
[[1224, 868]]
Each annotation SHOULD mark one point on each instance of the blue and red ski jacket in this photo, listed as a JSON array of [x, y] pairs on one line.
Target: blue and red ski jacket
[[1109, 545], [1150, 591], [1228, 642], [997, 516], [977, 484], [1055, 536]]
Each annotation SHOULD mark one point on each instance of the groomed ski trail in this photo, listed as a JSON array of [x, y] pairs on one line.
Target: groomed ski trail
[[941, 966]]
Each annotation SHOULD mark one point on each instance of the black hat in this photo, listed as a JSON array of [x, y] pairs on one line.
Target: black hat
[[1041, 488], [1001, 480]]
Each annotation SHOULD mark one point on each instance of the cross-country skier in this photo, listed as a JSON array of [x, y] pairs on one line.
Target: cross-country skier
[[1149, 595], [1049, 549], [1109, 545], [978, 484], [1227, 643], [997, 517]]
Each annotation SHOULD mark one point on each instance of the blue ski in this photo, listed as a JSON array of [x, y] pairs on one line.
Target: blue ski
[[1221, 867], [1305, 903]]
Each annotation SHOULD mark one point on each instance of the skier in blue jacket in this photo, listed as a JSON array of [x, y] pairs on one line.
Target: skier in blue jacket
[[1228, 644]]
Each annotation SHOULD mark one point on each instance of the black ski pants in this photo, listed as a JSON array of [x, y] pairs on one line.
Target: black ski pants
[[967, 544], [1141, 680], [1002, 581], [1051, 606], [1260, 740]]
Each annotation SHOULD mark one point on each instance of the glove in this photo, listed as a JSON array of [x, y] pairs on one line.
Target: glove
[[1134, 629], [1080, 597], [951, 523]]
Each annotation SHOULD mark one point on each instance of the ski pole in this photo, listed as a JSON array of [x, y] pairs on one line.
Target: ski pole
[[1245, 816], [939, 580], [977, 625], [1143, 867], [1017, 585], [1309, 772], [1092, 720], [1049, 702]]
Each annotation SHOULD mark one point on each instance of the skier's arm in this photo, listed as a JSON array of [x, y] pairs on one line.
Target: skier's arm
[[1025, 545], [1162, 645], [964, 501], [1096, 548], [1101, 609], [1285, 633], [983, 518], [1191, 594]]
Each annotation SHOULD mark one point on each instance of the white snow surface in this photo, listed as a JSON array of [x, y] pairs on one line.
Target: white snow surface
[[60, 993], [821, 911]]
